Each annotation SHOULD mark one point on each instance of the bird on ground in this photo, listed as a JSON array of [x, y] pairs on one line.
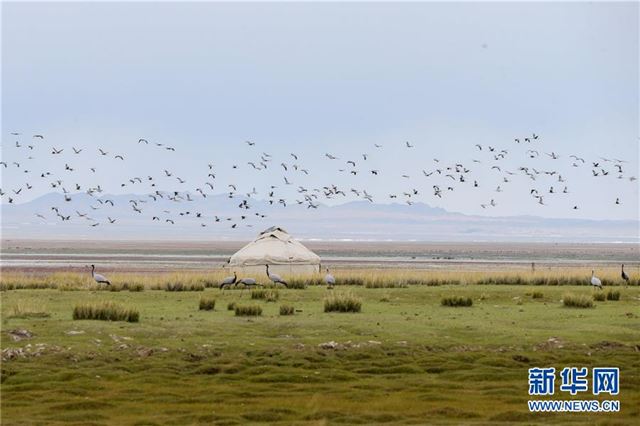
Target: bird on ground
[[247, 282], [624, 275], [595, 281], [329, 279], [275, 278], [228, 281], [100, 279]]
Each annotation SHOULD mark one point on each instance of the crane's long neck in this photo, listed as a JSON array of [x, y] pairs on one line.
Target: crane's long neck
[[93, 268]]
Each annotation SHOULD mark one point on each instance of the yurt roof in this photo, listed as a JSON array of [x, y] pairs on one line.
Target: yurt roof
[[274, 246]]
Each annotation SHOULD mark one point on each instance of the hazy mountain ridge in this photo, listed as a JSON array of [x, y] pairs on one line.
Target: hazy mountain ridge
[[353, 220]]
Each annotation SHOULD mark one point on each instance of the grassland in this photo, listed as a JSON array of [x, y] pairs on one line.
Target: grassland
[[404, 358], [374, 278]]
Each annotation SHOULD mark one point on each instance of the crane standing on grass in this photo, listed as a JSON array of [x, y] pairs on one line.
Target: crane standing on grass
[[100, 279], [595, 281], [275, 278], [228, 281], [624, 275], [329, 279]]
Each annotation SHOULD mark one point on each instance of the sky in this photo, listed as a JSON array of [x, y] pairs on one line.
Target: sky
[[316, 78]]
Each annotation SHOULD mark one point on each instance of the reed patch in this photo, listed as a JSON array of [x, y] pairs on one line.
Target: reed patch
[[207, 303], [613, 295], [27, 309], [342, 302], [286, 310], [456, 301], [248, 310], [187, 286], [537, 295], [266, 294], [577, 301], [105, 311]]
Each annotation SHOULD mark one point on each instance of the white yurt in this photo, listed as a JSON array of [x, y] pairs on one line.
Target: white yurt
[[276, 248]]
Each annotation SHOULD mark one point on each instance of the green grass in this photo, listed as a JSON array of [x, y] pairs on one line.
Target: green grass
[[427, 364]]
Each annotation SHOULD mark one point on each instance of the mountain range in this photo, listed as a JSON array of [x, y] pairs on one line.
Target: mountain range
[[356, 220]]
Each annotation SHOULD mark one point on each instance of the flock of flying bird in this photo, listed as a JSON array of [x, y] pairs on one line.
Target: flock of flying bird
[[438, 180]]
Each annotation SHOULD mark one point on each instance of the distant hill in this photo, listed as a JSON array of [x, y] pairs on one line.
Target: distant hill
[[357, 220]]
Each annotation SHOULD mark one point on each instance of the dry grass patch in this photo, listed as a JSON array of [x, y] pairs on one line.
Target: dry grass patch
[[23, 309], [342, 302], [180, 286], [248, 310], [268, 295], [207, 303], [105, 311], [613, 295], [577, 301], [286, 310], [456, 301]]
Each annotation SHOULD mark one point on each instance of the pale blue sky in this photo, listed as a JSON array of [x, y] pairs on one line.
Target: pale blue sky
[[316, 78]]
